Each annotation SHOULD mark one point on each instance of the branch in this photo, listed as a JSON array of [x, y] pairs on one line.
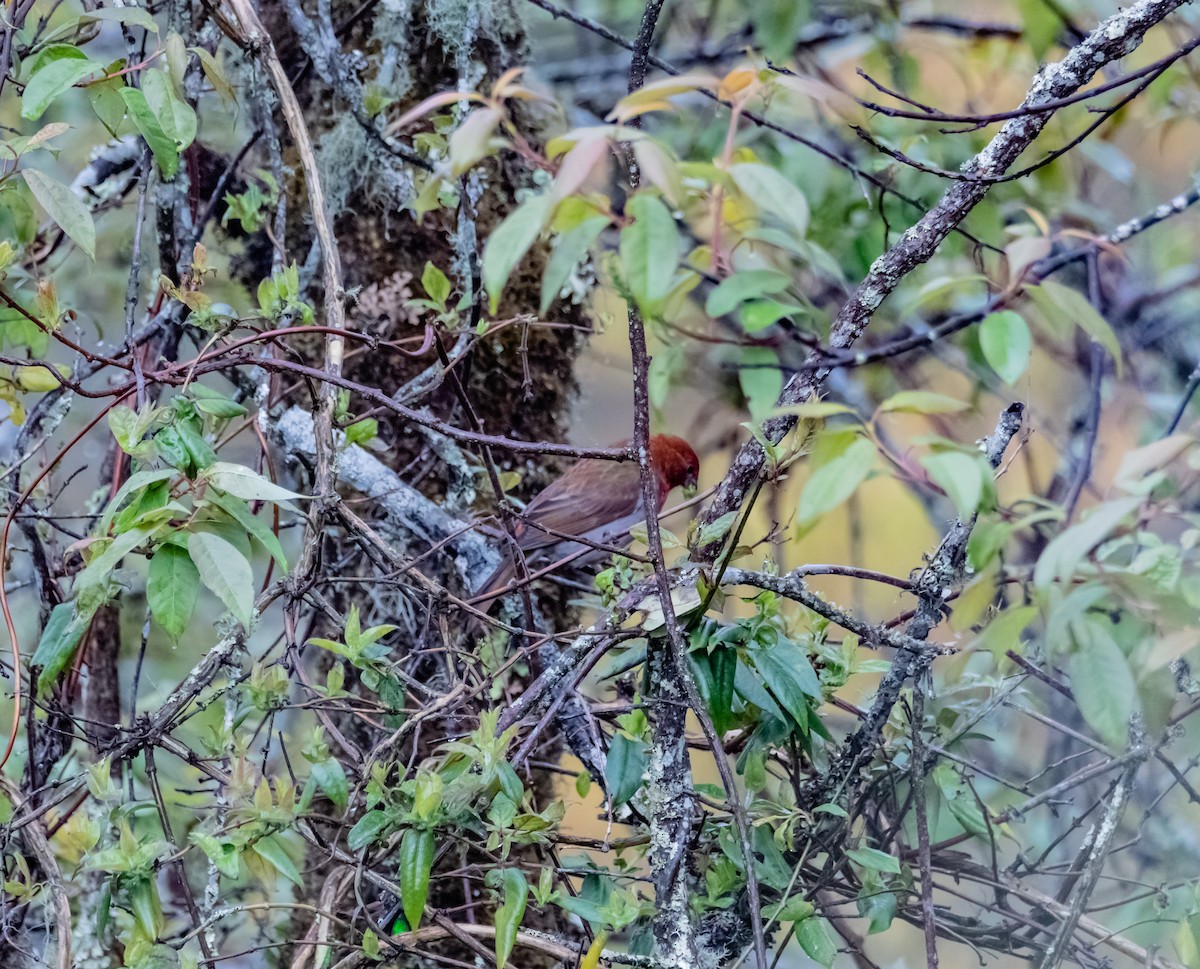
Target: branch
[[409, 510], [936, 582]]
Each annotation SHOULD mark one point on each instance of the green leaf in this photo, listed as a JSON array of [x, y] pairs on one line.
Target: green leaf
[[1103, 683], [162, 145], [220, 408], [145, 906], [135, 482], [511, 911], [1004, 632], [874, 860], [368, 829], [59, 67], [795, 909], [427, 797], [1055, 299], [715, 531], [172, 586], [760, 379], [131, 16], [370, 945], [836, 479], [63, 632], [100, 568], [61, 204], [963, 477], [258, 529], [215, 73], [649, 253], [624, 768], [242, 482], [225, 571], [569, 249], [878, 908], [331, 779], [223, 854], [715, 673], [790, 677], [761, 313], [435, 284], [360, 432], [1062, 555], [775, 196], [742, 286], [921, 402], [816, 939], [175, 116], [199, 451], [416, 861], [106, 101], [962, 802], [1006, 343], [272, 850], [509, 242]]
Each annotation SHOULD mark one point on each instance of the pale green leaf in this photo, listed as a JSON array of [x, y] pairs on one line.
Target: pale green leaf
[[1103, 683], [921, 402], [272, 850], [162, 145], [1056, 300], [1006, 343], [59, 68], [836, 480], [242, 482], [175, 116], [649, 253], [64, 207], [748, 284], [963, 477], [773, 194], [509, 242], [225, 571], [1062, 555], [569, 249]]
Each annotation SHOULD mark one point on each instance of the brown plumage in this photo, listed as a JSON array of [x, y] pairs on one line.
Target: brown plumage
[[595, 500]]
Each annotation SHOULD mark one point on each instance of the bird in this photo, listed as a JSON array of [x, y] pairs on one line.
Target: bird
[[595, 500]]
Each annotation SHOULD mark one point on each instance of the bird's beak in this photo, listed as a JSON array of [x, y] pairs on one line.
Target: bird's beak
[[689, 490]]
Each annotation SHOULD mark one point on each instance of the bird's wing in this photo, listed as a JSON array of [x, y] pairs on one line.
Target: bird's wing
[[591, 495]]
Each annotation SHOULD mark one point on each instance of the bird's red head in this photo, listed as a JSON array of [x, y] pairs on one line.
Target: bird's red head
[[675, 461]]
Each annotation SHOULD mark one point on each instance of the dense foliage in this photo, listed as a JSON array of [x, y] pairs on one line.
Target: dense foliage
[[296, 300]]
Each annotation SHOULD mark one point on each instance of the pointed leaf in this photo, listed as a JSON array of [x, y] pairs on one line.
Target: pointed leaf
[[649, 253], [836, 480], [1006, 343], [242, 482], [172, 586], [59, 67], [225, 571], [271, 849], [569, 249], [511, 911], [509, 242], [773, 194], [61, 204], [63, 632]]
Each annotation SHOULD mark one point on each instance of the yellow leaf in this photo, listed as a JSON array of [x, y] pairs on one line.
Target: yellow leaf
[[736, 81], [591, 958]]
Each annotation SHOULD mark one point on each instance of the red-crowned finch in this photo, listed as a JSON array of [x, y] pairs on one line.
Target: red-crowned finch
[[596, 500]]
